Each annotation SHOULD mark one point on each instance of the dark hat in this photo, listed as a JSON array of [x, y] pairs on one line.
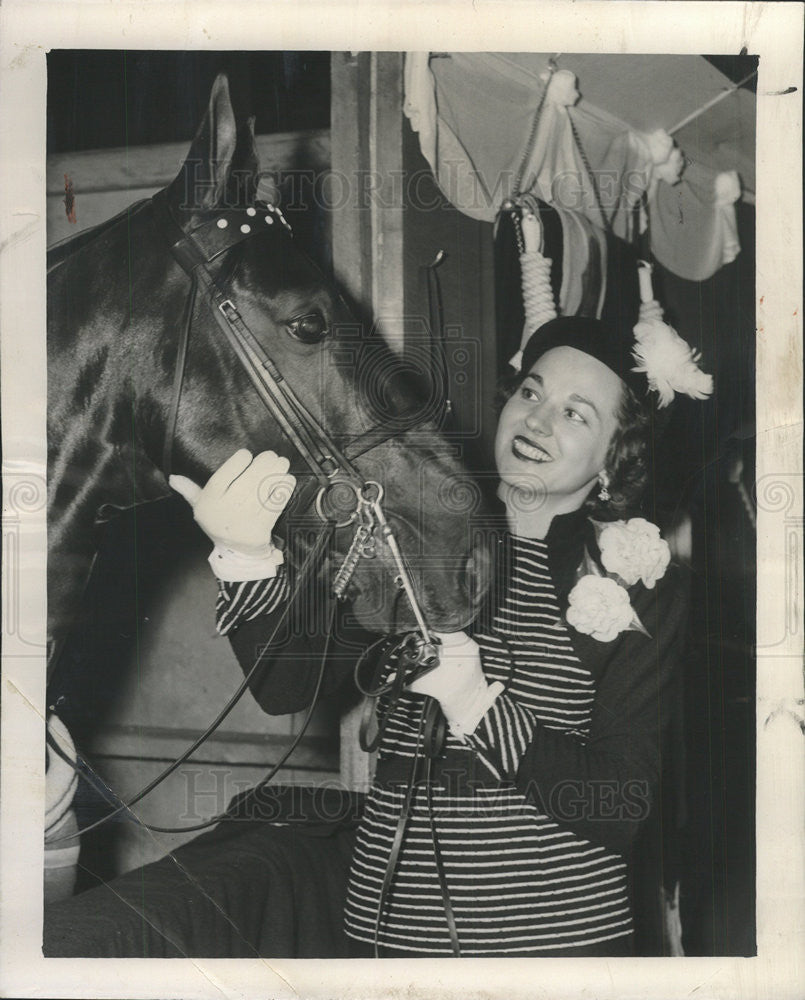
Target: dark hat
[[602, 341], [649, 356]]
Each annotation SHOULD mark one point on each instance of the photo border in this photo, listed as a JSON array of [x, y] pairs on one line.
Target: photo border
[[771, 30]]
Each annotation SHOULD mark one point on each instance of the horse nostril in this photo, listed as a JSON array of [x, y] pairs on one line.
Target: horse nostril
[[478, 573]]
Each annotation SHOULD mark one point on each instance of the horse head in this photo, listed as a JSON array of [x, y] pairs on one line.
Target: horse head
[[119, 305]]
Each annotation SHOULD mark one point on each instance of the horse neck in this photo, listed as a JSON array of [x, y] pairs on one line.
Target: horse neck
[[114, 479], [96, 463]]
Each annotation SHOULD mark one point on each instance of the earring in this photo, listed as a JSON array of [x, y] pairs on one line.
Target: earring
[[603, 493]]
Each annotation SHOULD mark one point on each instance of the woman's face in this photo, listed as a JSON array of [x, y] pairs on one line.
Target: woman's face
[[554, 433]]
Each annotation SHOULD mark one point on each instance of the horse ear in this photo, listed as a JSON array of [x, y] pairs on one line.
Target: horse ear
[[203, 182], [245, 167]]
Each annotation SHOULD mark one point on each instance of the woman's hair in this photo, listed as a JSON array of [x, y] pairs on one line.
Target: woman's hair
[[626, 462], [627, 456]]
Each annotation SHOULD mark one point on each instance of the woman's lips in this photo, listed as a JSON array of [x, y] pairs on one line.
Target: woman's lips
[[524, 449]]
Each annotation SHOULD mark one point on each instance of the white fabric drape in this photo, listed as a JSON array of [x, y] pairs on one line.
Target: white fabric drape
[[474, 113]]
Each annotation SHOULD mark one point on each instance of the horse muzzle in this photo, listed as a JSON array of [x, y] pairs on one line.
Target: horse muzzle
[[449, 592]]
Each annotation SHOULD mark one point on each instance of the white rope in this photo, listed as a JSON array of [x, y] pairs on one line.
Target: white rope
[[650, 308], [535, 277], [537, 291]]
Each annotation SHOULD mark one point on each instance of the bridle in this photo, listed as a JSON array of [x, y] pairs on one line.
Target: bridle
[[333, 469]]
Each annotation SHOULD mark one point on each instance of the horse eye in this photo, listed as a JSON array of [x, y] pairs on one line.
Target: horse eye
[[310, 328]]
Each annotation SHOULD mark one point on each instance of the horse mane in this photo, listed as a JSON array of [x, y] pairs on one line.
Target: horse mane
[[62, 250]]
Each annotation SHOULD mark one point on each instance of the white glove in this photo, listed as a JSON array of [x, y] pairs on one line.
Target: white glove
[[458, 683], [238, 509]]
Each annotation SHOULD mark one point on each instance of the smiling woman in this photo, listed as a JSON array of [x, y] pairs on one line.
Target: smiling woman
[[554, 433], [516, 837], [571, 421]]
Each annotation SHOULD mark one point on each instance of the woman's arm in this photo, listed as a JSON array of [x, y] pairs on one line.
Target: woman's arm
[[279, 640], [601, 786], [241, 601], [283, 645]]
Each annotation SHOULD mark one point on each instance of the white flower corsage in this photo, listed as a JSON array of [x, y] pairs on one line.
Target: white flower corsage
[[600, 607], [634, 550], [631, 550]]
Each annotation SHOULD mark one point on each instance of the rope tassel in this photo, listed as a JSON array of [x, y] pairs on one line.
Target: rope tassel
[[669, 363], [535, 276]]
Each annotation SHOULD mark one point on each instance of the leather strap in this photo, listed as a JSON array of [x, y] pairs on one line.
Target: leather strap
[[430, 712], [399, 833], [306, 434], [393, 657], [447, 903], [431, 293], [178, 379]]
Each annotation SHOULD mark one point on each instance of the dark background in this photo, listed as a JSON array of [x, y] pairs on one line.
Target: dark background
[[103, 99]]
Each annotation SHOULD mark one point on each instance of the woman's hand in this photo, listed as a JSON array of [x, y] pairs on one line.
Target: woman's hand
[[458, 683], [241, 502]]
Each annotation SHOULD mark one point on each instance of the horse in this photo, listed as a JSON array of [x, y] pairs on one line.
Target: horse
[[143, 379]]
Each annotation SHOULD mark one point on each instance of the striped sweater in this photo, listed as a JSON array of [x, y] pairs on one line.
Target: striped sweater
[[519, 882], [523, 875]]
